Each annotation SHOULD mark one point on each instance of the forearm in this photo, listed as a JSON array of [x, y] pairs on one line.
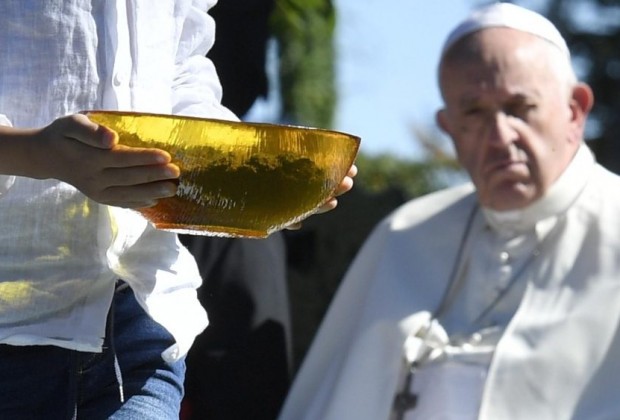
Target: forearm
[[20, 152]]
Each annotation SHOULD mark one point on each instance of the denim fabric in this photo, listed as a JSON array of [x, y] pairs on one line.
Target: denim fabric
[[44, 382]]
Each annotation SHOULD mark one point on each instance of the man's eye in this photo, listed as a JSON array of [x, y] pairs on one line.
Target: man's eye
[[520, 110], [473, 111]]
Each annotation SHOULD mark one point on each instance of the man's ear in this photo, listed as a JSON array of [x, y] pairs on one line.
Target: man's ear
[[582, 100], [442, 121]]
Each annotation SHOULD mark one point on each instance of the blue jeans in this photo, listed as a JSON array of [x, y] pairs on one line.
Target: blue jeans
[[47, 382]]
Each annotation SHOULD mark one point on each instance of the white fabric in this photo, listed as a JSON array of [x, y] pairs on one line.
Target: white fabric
[[6, 181], [507, 15], [443, 367], [61, 253], [558, 357]]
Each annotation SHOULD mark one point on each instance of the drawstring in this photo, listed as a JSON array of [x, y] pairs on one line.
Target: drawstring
[[117, 366], [110, 335], [119, 379]]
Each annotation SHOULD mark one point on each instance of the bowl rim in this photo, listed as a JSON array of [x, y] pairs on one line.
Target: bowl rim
[[353, 137]]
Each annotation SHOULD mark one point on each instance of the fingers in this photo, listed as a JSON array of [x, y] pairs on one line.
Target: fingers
[[345, 186], [352, 171], [137, 196], [124, 156], [79, 127], [131, 186], [329, 205], [138, 175], [294, 226]]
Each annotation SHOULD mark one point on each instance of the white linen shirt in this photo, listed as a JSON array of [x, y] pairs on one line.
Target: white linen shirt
[[60, 252]]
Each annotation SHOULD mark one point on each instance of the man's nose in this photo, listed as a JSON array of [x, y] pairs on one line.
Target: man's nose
[[499, 130]]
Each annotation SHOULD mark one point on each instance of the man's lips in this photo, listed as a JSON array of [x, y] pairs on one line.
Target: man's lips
[[503, 165]]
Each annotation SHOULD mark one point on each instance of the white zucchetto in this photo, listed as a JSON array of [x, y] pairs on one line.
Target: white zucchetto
[[507, 15]]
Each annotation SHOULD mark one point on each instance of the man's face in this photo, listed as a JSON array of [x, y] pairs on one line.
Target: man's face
[[510, 116]]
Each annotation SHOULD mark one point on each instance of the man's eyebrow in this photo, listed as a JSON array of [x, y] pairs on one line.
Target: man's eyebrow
[[469, 100], [515, 97]]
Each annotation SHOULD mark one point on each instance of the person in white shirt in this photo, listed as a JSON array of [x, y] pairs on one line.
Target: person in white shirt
[[97, 308], [499, 298]]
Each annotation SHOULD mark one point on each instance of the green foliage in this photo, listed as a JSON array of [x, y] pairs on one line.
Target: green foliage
[[412, 178], [304, 30]]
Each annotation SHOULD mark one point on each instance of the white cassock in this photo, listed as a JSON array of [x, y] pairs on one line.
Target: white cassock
[[530, 301]]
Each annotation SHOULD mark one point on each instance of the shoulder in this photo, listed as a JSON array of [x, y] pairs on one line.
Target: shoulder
[[441, 204], [604, 176], [602, 188], [438, 217]]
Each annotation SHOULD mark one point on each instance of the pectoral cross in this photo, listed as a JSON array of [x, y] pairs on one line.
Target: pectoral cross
[[405, 400], [418, 348]]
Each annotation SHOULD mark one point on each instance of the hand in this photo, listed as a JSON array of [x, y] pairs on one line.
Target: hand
[[345, 186], [89, 157]]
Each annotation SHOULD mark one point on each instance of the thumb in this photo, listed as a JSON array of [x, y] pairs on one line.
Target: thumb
[[81, 128]]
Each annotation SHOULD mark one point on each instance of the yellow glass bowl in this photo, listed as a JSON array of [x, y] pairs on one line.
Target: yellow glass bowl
[[237, 179]]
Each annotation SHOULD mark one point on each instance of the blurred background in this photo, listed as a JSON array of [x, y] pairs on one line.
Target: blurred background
[[367, 67]]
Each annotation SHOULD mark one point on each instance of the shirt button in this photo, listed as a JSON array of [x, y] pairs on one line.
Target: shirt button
[[504, 257]]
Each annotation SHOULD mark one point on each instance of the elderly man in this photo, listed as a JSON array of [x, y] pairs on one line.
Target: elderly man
[[498, 299]]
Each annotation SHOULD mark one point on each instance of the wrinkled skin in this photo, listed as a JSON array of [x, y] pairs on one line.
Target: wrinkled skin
[[515, 119]]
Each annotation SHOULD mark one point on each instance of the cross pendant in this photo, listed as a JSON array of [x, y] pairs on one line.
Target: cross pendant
[[405, 400]]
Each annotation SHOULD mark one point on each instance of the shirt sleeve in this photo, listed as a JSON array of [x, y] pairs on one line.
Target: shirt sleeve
[[196, 87], [142, 253], [6, 181]]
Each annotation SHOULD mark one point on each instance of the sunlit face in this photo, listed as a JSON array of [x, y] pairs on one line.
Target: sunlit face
[[512, 118]]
